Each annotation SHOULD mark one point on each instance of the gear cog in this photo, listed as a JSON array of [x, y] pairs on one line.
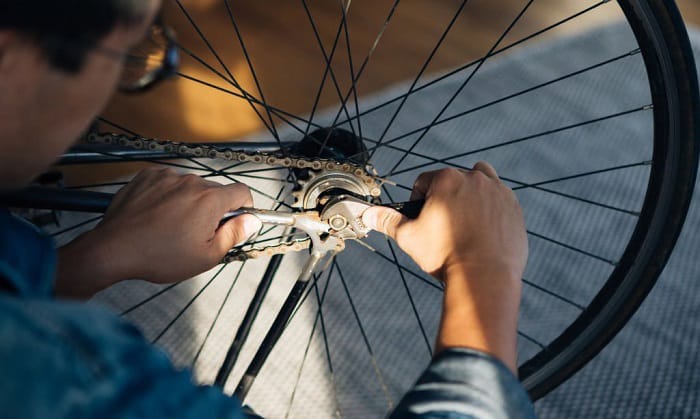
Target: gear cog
[[342, 146]]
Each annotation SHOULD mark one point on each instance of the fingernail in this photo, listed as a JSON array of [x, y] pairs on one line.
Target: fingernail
[[251, 227], [370, 218]]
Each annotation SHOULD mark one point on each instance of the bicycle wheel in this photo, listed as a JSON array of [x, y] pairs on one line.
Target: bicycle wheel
[[596, 132]]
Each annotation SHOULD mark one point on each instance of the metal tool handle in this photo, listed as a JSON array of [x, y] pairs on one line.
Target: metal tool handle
[[265, 216], [410, 209]]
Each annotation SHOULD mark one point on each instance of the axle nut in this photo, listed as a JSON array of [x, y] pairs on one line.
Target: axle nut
[[338, 222]]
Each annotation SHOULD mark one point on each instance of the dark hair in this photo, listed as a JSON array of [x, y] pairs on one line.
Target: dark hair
[[66, 30]]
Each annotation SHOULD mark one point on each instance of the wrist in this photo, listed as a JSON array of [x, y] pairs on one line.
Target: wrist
[[483, 271], [85, 267], [480, 310]]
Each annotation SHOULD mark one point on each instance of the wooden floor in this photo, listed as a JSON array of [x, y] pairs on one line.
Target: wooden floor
[[289, 64]]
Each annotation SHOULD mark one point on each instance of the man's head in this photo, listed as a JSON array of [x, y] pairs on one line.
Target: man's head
[[55, 76]]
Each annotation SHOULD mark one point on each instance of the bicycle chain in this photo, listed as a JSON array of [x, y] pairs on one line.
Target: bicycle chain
[[186, 150]]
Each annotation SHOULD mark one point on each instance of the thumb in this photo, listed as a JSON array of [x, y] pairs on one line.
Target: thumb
[[236, 231], [382, 219]]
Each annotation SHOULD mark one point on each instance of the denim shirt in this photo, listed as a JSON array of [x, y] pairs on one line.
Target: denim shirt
[[70, 360]]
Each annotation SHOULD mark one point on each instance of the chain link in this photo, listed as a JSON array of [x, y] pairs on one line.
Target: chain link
[[238, 255]]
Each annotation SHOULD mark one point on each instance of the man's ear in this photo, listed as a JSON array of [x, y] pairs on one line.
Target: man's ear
[[17, 54]]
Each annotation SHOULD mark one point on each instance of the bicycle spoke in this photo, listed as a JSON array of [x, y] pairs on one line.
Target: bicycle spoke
[[554, 294], [251, 312], [410, 298], [418, 77], [585, 174], [150, 298], [585, 201], [518, 182], [218, 314], [189, 304], [325, 344], [570, 247], [233, 179], [405, 269], [381, 143], [319, 316], [463, 85], [223, 65], [351, 66], [475, 62], [526, 138], [375, 365], [328, 68], [279, 113], [532, 340], [362, 69], [244, 94], [252, 69], [514, 95]]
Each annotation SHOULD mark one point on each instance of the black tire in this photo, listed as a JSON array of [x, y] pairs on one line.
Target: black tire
[[664, 42]]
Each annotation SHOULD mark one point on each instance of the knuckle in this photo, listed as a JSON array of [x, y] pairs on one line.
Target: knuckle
[[245, 191], [241, 188], [191, 178], [450, 178], [147, 172], [163, 172]]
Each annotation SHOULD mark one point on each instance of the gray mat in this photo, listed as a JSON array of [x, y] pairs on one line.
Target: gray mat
[[648, 371]]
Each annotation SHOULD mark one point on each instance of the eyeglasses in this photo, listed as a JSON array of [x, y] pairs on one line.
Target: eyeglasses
[[153, 60]]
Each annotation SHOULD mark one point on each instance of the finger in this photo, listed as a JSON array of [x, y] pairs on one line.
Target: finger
[[235, 195], [234, 233], [422, 185], [486, 169], [382, 219]]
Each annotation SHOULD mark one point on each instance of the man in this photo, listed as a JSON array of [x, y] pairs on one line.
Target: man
[[59, 63]]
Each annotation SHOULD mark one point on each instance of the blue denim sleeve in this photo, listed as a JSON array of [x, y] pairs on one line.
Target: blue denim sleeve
[[465, 383], [27, 258], [66, 360]]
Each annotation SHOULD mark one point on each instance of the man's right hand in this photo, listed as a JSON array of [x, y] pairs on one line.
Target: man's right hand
[[469, 220], [471, 235]]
